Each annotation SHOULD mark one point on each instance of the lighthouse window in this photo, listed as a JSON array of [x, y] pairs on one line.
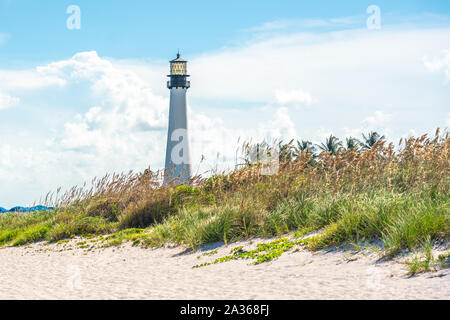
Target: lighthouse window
[[178, 68]]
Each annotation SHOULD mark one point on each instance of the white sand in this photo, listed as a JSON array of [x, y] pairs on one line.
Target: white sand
[[44, 272]]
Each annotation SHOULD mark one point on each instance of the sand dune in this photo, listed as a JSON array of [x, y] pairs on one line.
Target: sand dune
[[45, 272]]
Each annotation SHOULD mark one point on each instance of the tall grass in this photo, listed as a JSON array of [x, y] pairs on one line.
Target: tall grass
[[399, 197]]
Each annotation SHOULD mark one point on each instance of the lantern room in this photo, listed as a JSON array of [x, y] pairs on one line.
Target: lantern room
[[178, 76], [178, 66]]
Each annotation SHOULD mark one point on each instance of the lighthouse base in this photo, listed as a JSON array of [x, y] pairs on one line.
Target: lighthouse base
[[178, 174]]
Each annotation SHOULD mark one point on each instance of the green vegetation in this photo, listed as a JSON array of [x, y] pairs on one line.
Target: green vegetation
[[210, 253], [426, 261], [264, 252], [365, 191]]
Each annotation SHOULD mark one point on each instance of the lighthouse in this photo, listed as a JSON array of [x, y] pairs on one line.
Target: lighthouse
[[178, 167]]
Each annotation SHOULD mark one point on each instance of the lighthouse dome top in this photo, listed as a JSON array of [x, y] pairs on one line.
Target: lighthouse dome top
[[178, 59], [178, 66]]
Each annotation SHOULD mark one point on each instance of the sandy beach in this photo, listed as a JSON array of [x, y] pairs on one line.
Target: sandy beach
[[55, 271]]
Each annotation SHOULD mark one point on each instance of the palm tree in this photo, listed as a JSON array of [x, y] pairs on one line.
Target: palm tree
[[352, 144], [331, 145], [307, 146], [304, 145], [372, 138]]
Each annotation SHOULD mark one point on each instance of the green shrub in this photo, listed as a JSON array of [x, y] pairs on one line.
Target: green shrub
[[106, 208], [31, 234], [7, 236]]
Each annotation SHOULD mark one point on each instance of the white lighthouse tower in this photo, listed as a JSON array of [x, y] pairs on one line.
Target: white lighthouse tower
[[178, 168]]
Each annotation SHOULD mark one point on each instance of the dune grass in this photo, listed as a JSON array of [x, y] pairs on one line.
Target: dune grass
[[426, 261], [401, 198]]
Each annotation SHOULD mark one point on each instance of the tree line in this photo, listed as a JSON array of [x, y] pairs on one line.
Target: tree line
[[332, 144]]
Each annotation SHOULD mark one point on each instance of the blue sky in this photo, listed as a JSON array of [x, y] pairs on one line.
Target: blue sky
[[154, 29], [75, 104]]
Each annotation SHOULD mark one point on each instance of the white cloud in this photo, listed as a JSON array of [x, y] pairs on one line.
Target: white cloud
[[128, 105], [123, 131], [220, 144], [27, 79], [280, 126], [283, 24], [323, 133], [294, 97], [353, 132], [347, 67], [357, 22], [411, 133], [7, 101], [441, 64], [378, 119]]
